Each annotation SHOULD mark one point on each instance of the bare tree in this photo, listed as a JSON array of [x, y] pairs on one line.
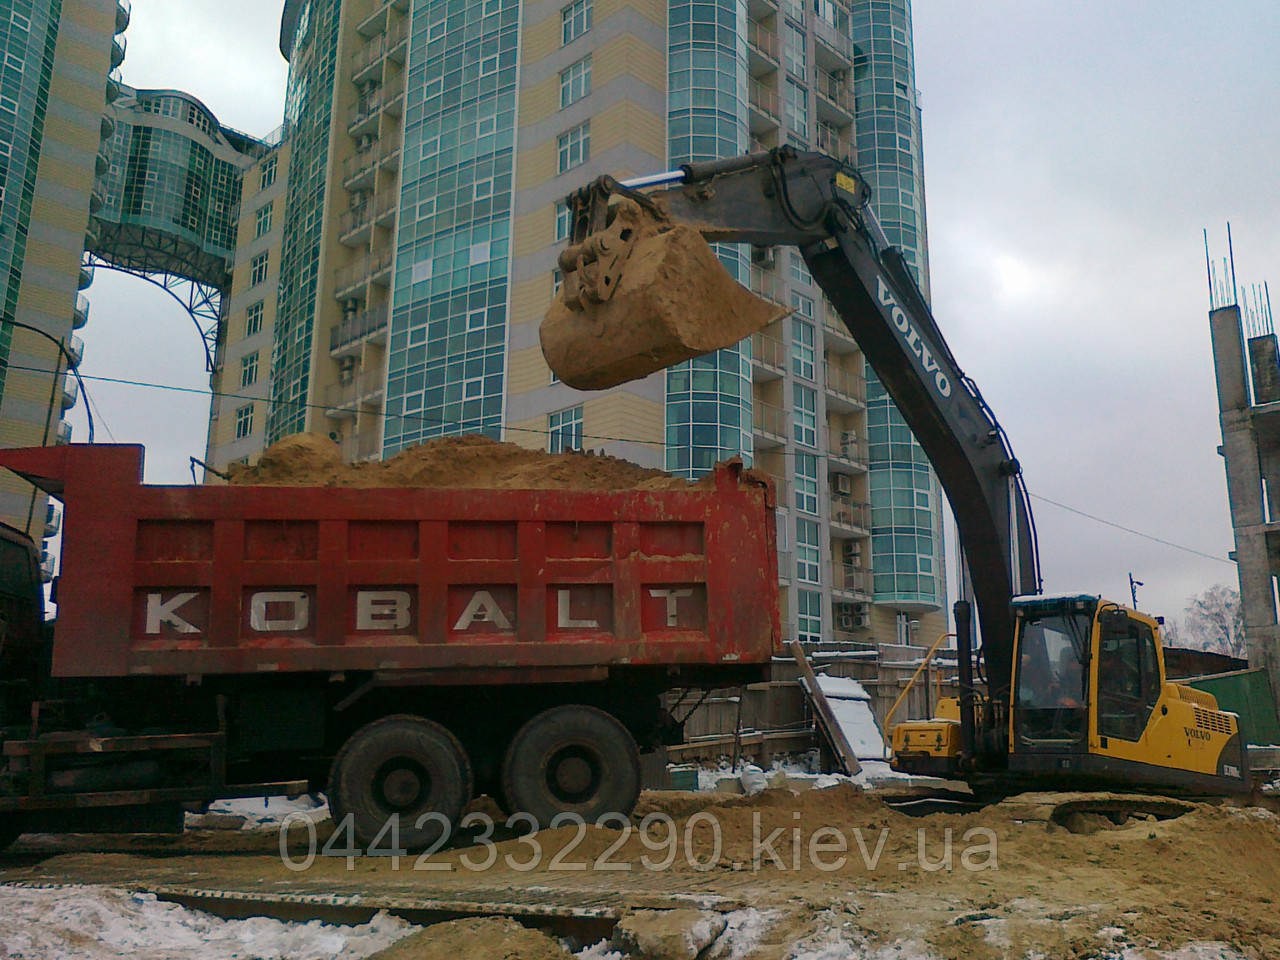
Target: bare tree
[[1215, 622]]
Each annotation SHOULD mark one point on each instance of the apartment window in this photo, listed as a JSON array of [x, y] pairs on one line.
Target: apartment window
[[557, 279], [805, 422], [575, 20], [800, 270], [249, 369], [795, 107], [258, 269], [253, 318], [809, 618], [807, 483], [563, 221], [575, 82], [262, 221], [244, 421], [268, 175], [802, 347], [564, 430], [807, 550], [793, 51], [574, 148]]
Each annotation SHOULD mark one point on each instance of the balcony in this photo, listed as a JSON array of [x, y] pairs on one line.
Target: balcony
[[769, 356], [91, 236], [846, 390], [849, 515], [351, 280], [833, 38], [118, 45], [52, 520], [833, 143], [837, 338], [765, 112], [106, 126], [96, 200], [358, 171], [47, 566], [365, 445], [75, 350], [364, 118], [124, 13], [846, 452], [786, 566], [80, 312], [62, 433], [834, 100], [851, 582], [770, 425], [353, 331], [114, 89], [102, 161], [762, 45], [765, 283], [86, 276], [70, 392], [343, 399]]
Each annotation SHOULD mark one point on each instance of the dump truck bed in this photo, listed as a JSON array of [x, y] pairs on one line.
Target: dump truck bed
[[470, 584]]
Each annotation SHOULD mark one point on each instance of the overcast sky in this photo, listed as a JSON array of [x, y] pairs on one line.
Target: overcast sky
[[1073, 153]]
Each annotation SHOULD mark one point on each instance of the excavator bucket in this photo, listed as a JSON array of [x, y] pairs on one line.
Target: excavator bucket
[[642, 294]]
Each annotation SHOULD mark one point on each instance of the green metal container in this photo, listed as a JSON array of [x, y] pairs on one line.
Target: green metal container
[[1247, 693]]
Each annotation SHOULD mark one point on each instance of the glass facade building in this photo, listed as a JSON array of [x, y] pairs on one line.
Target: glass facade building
[[904, 494], [28, 36], [447, 339], [708, 404], [309, 41]]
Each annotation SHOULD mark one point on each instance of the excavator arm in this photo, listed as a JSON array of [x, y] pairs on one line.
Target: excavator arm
[[821, 206]]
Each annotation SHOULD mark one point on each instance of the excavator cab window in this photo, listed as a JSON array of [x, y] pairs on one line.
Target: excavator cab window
[[1128, 677], [1051, 705]]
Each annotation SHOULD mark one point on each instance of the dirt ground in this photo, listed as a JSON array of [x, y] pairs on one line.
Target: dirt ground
[[1012, 887]]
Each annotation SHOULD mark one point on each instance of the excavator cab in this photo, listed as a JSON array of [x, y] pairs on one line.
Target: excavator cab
[[1089, 706]]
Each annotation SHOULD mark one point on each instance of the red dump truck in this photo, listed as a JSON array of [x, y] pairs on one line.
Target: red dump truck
[[399, 649]]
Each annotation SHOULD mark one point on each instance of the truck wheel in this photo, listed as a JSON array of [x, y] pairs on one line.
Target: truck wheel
[[571, 759], [402, 766]]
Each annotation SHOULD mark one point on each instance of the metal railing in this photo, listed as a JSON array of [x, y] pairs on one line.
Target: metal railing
[[764, 99], [845, 383], [768, 419], [769, 351], [835, 91], [361, 272], [364, 111], [827, 32], [832, 143], [850, 579], [366, 386], [765, 283], [841, 446], [763, 39], [850, 512], [361, 325]]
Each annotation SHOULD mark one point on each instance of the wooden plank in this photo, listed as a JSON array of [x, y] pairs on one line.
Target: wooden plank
[[827, 722]]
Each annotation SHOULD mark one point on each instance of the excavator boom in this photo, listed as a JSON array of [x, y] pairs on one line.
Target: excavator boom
[[636, 298]]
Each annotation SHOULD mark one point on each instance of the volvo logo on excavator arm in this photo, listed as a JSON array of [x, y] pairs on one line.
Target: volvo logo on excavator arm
[[902, 323]]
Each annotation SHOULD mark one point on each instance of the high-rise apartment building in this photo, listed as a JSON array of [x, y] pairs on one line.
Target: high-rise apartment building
[[430, 146], [57, 59]]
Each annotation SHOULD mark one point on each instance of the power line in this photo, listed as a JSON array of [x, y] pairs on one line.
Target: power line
[[1136, 533], [422, 418]]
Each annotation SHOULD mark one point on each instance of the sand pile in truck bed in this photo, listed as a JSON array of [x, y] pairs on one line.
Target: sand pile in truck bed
[[305, 459]]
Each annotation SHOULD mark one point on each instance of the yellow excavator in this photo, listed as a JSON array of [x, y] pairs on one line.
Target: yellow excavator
[[1062, 691]]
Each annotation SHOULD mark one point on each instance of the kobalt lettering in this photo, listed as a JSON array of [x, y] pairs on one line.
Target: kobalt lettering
[[912, 337], [289, 611]]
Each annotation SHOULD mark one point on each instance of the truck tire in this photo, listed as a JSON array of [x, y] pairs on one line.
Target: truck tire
[[403, 766], [571, 759]]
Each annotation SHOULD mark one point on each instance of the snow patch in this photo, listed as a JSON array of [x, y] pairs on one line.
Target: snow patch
[[262, 813], [743, 932], [104, 923], [851, 705]]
